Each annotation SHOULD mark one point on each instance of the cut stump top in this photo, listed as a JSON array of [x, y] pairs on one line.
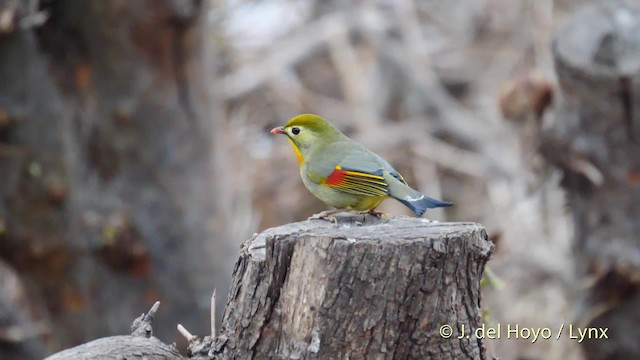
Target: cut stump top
[[365, 227]]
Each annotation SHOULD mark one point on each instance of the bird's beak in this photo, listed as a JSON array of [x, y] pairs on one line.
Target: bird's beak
[[278, 130]]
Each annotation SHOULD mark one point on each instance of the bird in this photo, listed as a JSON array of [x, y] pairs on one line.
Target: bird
[[343, 173]]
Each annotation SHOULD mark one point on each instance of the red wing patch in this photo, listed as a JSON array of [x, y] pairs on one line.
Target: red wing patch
[[336, 177]]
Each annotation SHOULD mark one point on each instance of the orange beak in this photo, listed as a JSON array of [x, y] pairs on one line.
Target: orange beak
[[278, 130]]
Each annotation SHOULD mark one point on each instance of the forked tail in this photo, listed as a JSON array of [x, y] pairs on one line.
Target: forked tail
[[413, 199], [421, 203]]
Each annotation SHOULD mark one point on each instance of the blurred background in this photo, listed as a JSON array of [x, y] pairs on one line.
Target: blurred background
[[135, 153]]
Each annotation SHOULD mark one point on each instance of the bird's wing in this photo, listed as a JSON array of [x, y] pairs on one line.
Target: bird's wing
[[360, 172], [357, 182]]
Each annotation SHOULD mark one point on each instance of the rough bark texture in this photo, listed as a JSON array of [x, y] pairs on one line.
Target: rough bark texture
[[362, 288], [105, 185], [596, 141]]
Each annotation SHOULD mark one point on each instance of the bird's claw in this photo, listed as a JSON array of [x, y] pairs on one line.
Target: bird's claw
[[324, 215], [378, 214]]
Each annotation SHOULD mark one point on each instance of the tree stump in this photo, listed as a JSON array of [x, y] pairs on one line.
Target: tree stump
[[595, 140], [361, 287]]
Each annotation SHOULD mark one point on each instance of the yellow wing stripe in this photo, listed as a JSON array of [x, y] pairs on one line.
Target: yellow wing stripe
[[359, 174], [367, 185], [361, 190]]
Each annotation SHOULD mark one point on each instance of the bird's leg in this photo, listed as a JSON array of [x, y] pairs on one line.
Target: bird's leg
[[326, 215]]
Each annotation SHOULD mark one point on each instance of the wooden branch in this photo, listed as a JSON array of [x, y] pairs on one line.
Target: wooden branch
[[120, 347], [140, 344], [143, 325], [289, 51], [360, 288]]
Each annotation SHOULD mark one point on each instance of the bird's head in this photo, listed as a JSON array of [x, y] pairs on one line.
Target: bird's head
[[307, 132]]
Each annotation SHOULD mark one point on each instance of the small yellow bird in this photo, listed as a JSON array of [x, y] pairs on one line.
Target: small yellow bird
[[344, 174]]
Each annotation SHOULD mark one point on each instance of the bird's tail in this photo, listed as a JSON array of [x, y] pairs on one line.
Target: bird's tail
[[421, 203], [414, 200]]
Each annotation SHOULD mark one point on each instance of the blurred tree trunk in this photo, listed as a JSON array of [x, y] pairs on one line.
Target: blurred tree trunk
[[105, 162], [596, 141]]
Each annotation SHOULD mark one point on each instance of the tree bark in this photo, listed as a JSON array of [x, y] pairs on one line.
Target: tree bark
[[595, 140], [361, 288]]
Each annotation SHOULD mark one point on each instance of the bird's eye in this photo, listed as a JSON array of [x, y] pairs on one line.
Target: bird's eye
[[295, 130]]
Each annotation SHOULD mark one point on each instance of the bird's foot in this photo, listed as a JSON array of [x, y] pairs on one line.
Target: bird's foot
[[326, 215], [378, 214]]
